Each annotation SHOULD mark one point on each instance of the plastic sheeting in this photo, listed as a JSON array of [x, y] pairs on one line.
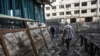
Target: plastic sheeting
[[22, 8]]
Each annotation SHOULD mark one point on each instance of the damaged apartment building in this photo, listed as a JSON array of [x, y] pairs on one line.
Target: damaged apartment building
[[73, 11]]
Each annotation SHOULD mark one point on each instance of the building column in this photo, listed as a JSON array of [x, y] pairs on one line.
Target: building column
[[80, 10], [98, 7], [98, 17]]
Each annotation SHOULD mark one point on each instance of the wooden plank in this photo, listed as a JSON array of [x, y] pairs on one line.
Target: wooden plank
[[91, 41], [75, 41], [33, 28], [86, 45], [13, 18], [36, 28], [31, 40], [31, 21], [11, 30], [44, 38], [91, 48], [4, 45]]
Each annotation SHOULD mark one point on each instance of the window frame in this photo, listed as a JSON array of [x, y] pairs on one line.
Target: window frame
[[76, 11], [76, 4], [61, 13], [53, 7], [69, 12], [47, 8], [68, 5], [84, 3], [84, 11], [48, 14], [61, 6], [54, 14]]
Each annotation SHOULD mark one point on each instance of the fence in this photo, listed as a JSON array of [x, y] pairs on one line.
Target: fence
[[22, 37]]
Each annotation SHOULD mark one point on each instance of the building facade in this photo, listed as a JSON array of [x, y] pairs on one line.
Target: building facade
[[73, 10]]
